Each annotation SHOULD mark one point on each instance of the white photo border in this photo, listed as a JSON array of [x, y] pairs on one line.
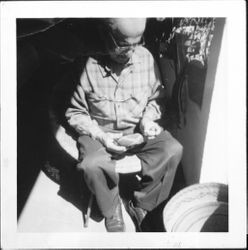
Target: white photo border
[[234, 12]]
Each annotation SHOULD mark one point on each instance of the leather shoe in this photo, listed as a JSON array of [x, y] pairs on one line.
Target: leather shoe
[[136, 213], [116, 222]]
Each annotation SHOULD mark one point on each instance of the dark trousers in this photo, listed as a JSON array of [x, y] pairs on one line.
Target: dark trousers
[[159, 160]]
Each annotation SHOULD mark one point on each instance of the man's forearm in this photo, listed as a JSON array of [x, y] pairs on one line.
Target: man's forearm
[[84, 125], [153, 111]]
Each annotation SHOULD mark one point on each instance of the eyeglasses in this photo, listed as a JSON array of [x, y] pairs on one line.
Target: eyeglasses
[[124, 48]]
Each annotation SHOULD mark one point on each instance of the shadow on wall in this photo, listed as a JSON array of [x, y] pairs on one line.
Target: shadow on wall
[[32, 137], [45, 49], [197, 107]]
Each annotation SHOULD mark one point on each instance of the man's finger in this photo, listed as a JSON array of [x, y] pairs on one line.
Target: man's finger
[[115, 135], [150, 133], [151, 137], [158, 130], [117, 148]]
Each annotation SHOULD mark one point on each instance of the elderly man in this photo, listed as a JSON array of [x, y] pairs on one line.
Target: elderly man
[[120, 93]]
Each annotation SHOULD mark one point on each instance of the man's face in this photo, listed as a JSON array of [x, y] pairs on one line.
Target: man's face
[[122, 48]]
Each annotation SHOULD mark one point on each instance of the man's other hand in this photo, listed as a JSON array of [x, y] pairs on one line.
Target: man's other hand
[[150, 129]]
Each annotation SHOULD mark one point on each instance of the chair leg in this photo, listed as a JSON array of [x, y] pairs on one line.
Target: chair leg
[[86, 223]]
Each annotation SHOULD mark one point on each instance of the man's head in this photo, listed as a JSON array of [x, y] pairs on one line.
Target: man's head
[[122, 36]]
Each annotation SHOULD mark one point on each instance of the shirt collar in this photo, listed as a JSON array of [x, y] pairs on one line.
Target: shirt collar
[[135, 59], [106, 70], [103, 66]]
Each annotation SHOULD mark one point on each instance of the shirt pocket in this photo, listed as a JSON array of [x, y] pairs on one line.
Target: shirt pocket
[[95, 97], [98, 104], [138, 102]]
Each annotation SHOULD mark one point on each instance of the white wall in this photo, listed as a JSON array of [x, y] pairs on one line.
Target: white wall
[[214, 163], [192, 136]]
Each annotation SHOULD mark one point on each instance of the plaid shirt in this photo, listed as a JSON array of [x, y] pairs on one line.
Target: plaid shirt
[[116, 103]]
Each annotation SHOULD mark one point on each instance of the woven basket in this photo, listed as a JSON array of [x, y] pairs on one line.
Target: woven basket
[[198, 208]]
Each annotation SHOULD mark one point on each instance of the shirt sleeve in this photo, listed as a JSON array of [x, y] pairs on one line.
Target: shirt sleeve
[[155, 106], [77, 113]]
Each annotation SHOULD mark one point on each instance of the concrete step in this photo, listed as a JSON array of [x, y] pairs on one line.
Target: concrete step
[[46, 211]]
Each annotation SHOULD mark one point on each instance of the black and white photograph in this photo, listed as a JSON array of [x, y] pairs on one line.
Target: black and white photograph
[[115, 121]]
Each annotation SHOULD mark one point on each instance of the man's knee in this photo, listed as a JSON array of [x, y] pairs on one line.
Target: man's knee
[[87, 145], [171, 146], [176, 149], [91, 164]]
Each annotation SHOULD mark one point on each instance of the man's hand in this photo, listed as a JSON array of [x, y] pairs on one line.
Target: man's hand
[[150, 129], [109, 141]]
